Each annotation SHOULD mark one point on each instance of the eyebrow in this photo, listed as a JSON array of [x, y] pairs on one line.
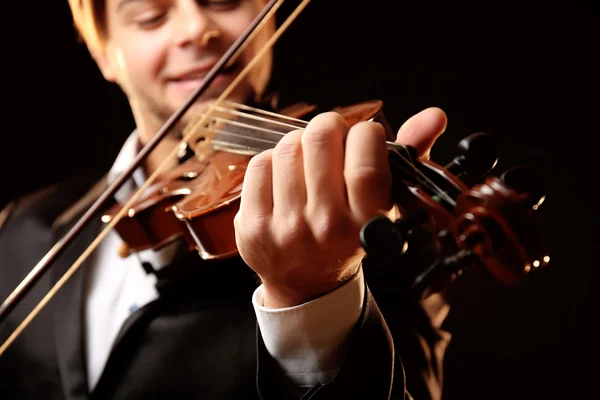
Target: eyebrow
[[124, 2]]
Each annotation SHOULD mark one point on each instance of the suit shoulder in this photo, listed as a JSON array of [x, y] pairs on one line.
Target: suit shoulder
[[53, 203]]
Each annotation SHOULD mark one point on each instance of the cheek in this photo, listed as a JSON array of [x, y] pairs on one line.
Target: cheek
[[235, 23], [144, 61]]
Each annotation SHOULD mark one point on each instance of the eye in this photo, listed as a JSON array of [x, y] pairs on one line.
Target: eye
[[151, 20], [220, 4]]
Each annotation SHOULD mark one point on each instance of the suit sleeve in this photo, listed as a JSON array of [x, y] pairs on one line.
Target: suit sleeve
[[309, 341], [390, 353]]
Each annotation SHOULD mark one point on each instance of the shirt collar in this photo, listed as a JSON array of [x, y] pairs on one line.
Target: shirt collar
[[124, 160]]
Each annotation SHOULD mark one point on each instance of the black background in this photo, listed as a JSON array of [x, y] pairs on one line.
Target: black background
[[524, 74]]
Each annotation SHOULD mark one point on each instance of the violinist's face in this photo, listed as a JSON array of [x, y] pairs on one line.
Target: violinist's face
[[158, 51]]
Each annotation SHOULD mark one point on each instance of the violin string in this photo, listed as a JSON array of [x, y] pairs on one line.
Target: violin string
[[265, 112], [418, 175], [160, 169], [256, 150], [247, 149], [255, 127], [257, 118]]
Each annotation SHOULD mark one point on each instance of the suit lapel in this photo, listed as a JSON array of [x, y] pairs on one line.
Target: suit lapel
[[69, 314]]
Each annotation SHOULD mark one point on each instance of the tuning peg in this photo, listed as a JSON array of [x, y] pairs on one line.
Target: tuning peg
[[381, 239], [477, 156], [525, 180], [384, 239]]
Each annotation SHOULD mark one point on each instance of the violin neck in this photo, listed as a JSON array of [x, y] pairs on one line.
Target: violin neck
[[258, 141], [247, 130]]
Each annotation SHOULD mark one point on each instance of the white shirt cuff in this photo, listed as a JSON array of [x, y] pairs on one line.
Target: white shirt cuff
[[309, 340]]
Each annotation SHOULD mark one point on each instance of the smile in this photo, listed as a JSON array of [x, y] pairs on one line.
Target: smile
[[201, 72], [193, 79]]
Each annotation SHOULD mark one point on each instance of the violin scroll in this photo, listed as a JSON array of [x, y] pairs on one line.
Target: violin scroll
[[489, 225]]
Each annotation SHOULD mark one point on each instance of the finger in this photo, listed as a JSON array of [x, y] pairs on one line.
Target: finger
[[257, 190], [289, 191], [367, 174], [421, 130], [323, 153]]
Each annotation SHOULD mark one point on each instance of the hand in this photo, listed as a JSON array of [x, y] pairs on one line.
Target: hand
[[304, 202]]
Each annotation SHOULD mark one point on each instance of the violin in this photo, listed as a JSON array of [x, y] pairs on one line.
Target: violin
[[489, 224]]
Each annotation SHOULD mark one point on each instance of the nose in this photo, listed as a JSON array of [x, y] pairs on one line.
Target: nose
[[193, 25]]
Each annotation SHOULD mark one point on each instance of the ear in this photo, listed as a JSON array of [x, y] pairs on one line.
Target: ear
[[105, 63]]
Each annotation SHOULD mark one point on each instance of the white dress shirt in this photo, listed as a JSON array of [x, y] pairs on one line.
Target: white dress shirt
[[307, 340]]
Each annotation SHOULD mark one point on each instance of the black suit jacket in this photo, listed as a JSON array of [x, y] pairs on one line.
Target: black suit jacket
[[191, 343]]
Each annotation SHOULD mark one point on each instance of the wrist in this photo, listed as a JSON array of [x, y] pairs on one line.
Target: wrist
[[277, 295]]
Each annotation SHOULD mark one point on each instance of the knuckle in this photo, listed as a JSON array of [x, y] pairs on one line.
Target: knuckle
[[329, 226], [371, 128], [238, 227], [287, 148], [369, 135], [291, 229], [317, 136], [237, 220], [295, 135], [261, 161], [251, 229], [324, 128], [331, 119], [364, 177]]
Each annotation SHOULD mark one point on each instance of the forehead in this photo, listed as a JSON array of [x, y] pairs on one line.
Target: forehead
[[109, 12], [118, 4]]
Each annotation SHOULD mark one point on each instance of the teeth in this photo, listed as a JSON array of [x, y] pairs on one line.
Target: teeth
[[201, 76]]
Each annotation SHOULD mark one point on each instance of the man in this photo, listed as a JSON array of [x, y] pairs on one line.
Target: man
[[167, 324]]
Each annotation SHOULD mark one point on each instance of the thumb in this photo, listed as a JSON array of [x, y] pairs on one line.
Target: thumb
[[422, 130]]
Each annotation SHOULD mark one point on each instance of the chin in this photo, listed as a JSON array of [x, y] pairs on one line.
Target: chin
[[241, 95]]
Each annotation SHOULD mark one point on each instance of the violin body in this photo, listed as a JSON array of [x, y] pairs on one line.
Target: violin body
[[198, 200], [197, 204]]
